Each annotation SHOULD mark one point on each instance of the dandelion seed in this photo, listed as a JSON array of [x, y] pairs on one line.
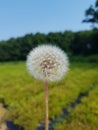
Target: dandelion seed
[[47, 63]]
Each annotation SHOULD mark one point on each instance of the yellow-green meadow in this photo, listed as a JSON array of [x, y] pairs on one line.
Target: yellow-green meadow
[[25, 96]]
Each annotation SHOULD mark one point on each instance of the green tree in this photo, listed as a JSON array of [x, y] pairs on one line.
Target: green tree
[[83, 42], [67, 39], [39, 38], [92, 14]]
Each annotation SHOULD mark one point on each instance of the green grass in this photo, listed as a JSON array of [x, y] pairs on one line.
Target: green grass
[[84, 116], [26, 98]]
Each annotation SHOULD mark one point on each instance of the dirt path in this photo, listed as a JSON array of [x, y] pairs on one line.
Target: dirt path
[[3, 113]]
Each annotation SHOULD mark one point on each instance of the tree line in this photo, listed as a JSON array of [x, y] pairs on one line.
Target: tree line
[[74, 43]]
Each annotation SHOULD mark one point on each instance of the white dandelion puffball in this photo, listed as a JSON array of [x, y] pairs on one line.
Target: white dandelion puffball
[[47, 62]]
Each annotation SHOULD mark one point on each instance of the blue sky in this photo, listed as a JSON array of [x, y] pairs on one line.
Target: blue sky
[[19, 17]]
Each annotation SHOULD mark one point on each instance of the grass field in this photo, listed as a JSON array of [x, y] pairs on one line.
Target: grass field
[[25, 96]]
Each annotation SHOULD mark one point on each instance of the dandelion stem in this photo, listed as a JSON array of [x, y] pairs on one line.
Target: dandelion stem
[[46, 98]]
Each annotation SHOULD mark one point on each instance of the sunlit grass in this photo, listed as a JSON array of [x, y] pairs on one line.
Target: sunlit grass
[[25, 96]]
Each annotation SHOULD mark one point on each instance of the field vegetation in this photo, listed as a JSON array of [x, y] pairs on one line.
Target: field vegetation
[[25, 96]]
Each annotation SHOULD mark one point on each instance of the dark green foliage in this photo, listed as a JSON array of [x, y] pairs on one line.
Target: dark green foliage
[[92, 13], [74, 43], [85, 43]]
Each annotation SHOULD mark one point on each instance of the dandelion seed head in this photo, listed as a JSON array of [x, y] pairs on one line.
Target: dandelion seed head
[[47, 62]]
